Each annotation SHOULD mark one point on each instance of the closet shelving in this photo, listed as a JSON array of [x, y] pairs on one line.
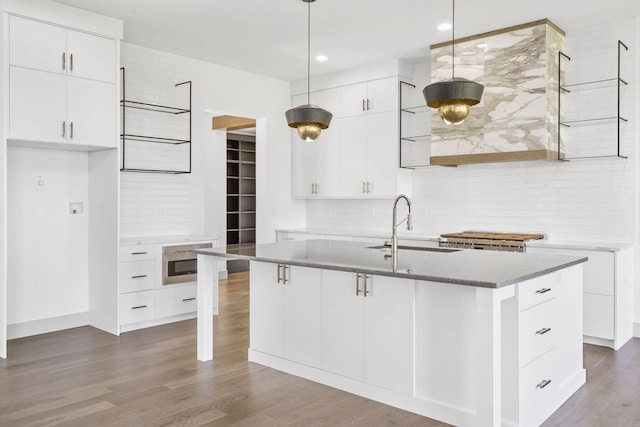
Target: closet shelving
[[616, 83], [126, 104], [241, 189]]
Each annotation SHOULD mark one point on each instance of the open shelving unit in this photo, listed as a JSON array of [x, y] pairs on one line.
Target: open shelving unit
[[414, 136], [594, 86], [126, 104]]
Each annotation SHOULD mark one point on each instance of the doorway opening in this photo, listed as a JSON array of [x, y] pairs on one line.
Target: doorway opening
[[241, 183]]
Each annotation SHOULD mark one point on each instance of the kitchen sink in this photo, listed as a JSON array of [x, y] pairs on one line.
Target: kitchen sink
[[415, 248]]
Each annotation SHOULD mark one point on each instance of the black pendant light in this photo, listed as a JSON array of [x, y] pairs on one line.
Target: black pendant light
[[455, 96], [309, 120]]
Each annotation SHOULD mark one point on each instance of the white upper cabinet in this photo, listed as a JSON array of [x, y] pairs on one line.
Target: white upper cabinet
[[36, 45], [62, 85], [55, 49], [358, 156], [375, 96], [91, 57]]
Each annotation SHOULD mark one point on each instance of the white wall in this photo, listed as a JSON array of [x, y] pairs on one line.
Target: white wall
[[48, 260], [157, 204]]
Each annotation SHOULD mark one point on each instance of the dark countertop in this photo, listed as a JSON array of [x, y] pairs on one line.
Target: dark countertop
[[490, 269]]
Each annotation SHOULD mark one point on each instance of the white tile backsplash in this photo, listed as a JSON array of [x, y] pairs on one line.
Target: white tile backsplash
[[585, 200]]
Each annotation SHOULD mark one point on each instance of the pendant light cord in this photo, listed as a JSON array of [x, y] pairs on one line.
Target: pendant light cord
[[308, 53], [453, 40]]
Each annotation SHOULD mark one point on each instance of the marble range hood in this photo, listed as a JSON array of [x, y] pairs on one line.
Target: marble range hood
[[518, 115]]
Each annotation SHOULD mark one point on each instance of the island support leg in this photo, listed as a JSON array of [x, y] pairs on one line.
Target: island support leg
[[207, 287], [489, 340]]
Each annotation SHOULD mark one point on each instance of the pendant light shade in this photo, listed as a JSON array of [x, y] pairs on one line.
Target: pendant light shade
[[454, 97], [309, 120]]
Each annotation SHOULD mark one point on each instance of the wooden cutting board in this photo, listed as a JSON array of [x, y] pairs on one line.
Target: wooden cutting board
[[519, 237]]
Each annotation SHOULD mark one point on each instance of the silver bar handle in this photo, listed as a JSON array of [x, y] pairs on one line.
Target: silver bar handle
[[284, 274], [139, 276], [543, 383], [71, 130], [543, 290], [71, 63], [316, 188], [366, 277], [279, 275], [64, 129], [138, 307], [363, 105], [367, 98], [358, 284], [188, 299], [364, 187], [543, 331], [368, 187], [138, 253], [64, 61]]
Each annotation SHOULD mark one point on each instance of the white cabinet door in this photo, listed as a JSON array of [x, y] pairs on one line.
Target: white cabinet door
[[37, 109], [302, 311], [382, 152], [353, 175], [327, 161], [328, 99], [304, 168], [383, 95], [388, 333], [91, 57], [342, 325], [91, 108], [353, 100], [266, 299], [37, 45]]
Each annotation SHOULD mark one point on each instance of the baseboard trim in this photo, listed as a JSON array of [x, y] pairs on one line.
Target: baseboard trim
[[44, 326]]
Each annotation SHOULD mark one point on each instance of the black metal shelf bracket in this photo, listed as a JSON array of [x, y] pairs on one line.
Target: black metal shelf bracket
[[564, 88], [156, 108]]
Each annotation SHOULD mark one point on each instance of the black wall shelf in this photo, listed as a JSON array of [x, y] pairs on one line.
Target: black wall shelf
[[602, 84], [126, 104]]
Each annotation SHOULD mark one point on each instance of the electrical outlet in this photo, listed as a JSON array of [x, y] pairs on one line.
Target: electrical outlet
[[39, 215]]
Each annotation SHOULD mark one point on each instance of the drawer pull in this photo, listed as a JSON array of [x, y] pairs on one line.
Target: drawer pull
[[188, 299], [543, 331], [543, 384], [138, 307], [140, 276], [543, 290], [138, 253]]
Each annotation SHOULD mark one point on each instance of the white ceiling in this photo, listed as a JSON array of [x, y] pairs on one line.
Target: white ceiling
[[268, 37]]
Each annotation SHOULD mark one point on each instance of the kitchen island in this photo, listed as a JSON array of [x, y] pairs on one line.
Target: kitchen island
[[471, 338]]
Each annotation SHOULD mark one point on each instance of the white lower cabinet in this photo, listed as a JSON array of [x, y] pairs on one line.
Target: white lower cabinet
[[137, 307], [172, 300], [285, 311], [607, 294], [367, 329]]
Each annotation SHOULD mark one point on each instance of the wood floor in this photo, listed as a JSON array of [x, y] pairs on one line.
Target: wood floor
[[86, 377]]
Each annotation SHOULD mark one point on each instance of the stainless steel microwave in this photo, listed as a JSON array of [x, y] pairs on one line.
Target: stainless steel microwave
[[180, 263]]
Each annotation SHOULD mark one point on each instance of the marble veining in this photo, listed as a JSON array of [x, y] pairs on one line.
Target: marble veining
[[518, 111]]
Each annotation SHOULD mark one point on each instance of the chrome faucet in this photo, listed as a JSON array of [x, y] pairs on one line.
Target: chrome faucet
[[394, 230]]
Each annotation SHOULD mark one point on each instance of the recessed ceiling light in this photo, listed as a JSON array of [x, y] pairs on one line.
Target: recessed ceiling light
[[321, 58], [445, 26]]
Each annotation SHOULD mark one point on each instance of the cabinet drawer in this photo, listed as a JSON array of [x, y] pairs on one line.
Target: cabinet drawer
[[137, 307], [137, 276], [536, 291], [176, 300], [598, 316], [137, 253], [538, 389], [538, 331]]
